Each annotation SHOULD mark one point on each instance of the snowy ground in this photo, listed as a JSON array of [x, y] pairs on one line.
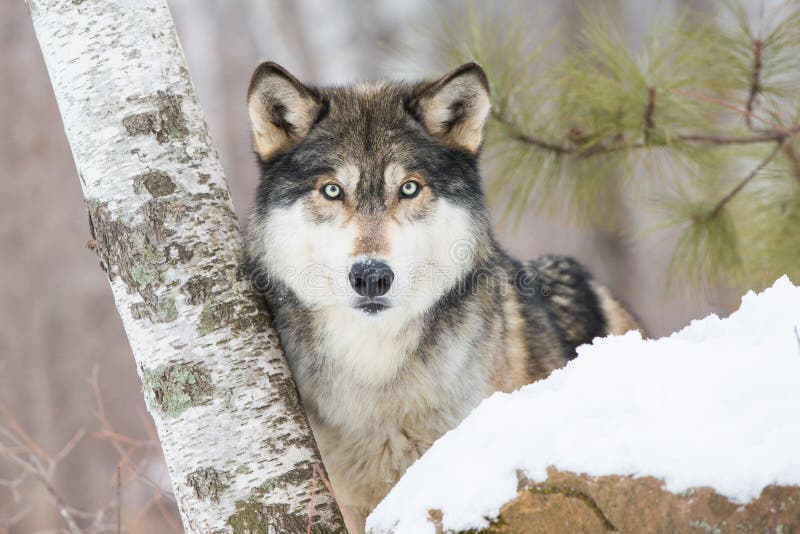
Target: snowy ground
[[716, 404]]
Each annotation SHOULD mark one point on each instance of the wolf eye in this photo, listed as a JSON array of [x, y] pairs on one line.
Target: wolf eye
[[331, 191], [410, 189]]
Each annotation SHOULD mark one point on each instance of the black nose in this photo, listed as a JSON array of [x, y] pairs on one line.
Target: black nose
[[371, 278]]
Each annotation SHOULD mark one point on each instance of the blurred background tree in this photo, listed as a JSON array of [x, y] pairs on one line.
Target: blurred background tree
[[701, 122]]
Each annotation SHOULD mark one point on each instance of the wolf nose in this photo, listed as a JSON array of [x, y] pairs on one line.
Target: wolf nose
[[371, 278]]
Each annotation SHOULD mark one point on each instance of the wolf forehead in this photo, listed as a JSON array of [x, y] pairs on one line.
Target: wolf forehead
[[363, 132], [432, 128]]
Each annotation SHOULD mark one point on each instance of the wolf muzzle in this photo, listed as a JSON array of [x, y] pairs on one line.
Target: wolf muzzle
[[371, 278]]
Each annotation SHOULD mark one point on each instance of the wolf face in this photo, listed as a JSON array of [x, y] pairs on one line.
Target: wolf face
[[370, 206]]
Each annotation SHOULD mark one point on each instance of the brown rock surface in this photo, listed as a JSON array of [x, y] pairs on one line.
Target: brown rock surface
[[567, 502]]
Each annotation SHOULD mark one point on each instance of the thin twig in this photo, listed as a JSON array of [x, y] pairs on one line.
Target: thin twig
[[733, 192], [16, 518], [167, 515], [36, 464], [108, 431], [755, 82], [63, 508], [119, 500], [794, 160], [149, 427], [16, 427], [712, 139], [649, 112], [64, 452], [121, 438], [793, 132], [150, 504]]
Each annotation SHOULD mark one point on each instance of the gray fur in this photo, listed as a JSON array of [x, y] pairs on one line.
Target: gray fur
[[495, 326]]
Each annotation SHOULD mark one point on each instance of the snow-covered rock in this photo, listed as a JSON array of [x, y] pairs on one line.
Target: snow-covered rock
[[714, 405]]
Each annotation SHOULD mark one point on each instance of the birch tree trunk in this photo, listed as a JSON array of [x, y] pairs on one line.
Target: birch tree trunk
[[236, 441]]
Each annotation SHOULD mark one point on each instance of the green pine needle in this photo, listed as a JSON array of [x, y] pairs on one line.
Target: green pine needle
[[570, 130]]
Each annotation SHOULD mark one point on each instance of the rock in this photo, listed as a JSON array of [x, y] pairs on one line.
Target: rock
[[567, 502]]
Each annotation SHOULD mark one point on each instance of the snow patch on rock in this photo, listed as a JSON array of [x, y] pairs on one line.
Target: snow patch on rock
[[716, 404]]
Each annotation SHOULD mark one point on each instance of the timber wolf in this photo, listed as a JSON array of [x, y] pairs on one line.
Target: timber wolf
[[397, 309]]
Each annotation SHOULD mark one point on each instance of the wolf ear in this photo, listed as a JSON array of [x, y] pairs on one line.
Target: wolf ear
[[455, 107], [282, 110]]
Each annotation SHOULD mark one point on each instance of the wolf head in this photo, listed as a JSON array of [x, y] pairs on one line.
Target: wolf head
[[370, 200]]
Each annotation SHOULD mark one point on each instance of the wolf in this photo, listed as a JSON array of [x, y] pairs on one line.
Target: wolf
[[397, 309]]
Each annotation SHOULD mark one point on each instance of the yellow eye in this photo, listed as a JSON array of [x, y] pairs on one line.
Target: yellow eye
[[410, 189], [331, 191]]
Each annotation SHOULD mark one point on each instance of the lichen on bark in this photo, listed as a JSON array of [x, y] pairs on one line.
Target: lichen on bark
[[254, 517], [175, 388], [215, 315], [139, 255]]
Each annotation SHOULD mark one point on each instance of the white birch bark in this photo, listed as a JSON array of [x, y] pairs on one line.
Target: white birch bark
[[237, 444]]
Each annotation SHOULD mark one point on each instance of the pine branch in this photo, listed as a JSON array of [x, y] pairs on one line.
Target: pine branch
[[584, 151], [563, 127], [722, 140], [747, 179], [518, 135]]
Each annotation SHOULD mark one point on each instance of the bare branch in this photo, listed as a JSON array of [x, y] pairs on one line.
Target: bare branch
[[16, 427], [115, 439], [36, 472], [35, 464], [64, 452]]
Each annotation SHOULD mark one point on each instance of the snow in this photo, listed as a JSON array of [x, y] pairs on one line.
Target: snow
[[715, 404]]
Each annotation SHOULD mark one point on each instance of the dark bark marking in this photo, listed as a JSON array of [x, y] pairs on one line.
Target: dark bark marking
[[208, 483], [157, 183], [166, 122]]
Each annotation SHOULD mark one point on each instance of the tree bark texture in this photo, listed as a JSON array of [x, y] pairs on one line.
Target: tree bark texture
[[236, 441]]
